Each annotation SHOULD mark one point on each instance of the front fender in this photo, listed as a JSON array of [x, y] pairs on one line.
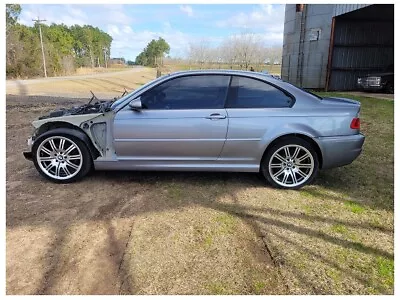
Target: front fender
[[77, 133], [75, 120]]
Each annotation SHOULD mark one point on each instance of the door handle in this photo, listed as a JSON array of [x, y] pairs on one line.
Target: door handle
[[216, 116]]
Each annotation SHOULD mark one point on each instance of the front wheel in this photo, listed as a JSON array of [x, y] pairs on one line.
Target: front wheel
[[290, 164], [61, 158]]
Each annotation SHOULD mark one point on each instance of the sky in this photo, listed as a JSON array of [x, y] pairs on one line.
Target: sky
[[132, 26]]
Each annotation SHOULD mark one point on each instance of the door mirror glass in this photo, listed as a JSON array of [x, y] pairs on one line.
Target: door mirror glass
[[136, 104]]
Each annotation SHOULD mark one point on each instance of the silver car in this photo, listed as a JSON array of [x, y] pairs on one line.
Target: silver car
[[221, 120]]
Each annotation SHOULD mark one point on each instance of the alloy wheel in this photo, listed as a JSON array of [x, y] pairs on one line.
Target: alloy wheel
[[291, 165], [59, 157]]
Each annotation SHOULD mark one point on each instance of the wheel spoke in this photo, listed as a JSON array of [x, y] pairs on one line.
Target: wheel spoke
[[46, 158], [287, 152], [280, 157], [70, 148], [285, 178], [66, 171], [279, 172], [62, 142], [52, 145], [303, 157], [296, 152], [293, 175], [74, 166], [301, 173], [306, 166], [58, 170], [48, 167], [74, 157], [45, 150], [276, 165]]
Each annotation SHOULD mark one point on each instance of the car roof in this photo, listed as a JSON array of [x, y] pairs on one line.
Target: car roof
[[223, 72]]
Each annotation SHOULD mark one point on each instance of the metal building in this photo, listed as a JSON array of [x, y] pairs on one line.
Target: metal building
[[327, 46]]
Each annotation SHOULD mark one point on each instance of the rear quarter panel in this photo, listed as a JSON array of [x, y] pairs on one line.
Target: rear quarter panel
[[250, 131]]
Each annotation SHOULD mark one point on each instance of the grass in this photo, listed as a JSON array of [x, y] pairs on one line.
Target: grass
[[354, 207], [386, 270]]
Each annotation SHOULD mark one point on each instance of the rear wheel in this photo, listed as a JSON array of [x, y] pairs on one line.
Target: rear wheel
[[290, 164], [61, 158]]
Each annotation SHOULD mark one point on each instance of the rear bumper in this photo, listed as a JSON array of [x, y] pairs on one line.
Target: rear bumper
[[340, 150]]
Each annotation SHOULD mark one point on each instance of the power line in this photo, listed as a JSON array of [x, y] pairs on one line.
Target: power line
[[38, 21]]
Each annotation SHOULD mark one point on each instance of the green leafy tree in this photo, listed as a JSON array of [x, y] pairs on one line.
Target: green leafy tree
[[153, 54], [12, 13]]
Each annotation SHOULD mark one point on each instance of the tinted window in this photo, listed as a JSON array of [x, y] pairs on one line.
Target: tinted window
[[189, 92], [251, 93]]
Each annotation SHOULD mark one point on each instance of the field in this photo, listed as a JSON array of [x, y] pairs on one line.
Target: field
[[107, 83], [273, 69], [199, 233]]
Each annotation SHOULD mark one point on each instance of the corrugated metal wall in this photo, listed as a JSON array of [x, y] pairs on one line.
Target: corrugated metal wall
[[304, 59], [360, 47], [363, 43], [341, 9]]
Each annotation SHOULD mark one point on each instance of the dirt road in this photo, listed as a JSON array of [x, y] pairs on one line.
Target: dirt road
[[104, 85]]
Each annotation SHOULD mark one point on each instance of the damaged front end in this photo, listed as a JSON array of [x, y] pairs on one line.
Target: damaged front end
[[88, 108], [91, 118]]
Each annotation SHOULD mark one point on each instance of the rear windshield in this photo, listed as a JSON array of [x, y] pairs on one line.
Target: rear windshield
[[311, 93], [306, 91]]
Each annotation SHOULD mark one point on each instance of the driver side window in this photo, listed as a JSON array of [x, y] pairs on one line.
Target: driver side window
[[188, 92]]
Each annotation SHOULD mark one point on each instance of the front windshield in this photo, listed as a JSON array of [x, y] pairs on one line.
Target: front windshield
[[122, 99]]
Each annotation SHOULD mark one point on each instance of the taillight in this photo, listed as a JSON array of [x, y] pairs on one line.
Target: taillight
[[355, 123]]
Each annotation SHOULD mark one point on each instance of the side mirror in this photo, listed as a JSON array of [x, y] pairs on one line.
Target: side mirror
[[136, 104]]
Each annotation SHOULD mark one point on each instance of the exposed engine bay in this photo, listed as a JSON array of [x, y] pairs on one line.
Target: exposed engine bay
[[99, 106]]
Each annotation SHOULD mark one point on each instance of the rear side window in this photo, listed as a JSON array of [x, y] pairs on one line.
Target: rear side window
[[251, 93], [188, 92]]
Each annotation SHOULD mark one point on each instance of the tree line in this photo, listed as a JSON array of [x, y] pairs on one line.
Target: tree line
[[241, 51], [65, 47]]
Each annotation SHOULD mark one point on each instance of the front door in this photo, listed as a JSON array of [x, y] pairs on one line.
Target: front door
[[183, 119]]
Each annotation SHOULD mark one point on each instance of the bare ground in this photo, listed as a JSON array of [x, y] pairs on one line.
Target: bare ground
[[198, 233]]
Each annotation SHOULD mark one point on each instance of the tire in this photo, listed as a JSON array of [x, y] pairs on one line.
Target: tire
[[390, 88], [55, 163], [278, 167]]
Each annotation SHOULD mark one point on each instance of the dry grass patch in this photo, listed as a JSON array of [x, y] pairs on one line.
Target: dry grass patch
[[108, 84]]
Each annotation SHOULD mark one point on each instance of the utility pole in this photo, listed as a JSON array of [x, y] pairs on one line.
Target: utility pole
[[105, 57], [38, 21]]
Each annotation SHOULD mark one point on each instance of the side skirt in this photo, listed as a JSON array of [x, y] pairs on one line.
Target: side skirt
[[146, 165]]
